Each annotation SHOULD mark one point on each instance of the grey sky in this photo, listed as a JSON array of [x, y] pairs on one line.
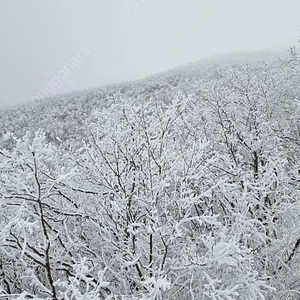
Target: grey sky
[[39, 37]]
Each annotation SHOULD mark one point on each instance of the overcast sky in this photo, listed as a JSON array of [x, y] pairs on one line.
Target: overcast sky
[[90, 43]]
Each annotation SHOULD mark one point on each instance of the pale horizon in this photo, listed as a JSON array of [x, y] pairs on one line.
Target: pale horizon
[[128, 40]]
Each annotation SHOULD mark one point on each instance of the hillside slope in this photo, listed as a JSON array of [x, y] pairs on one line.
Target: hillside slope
[[62, 116]]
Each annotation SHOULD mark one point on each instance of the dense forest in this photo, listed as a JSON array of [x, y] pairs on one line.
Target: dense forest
[[185, 185]]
